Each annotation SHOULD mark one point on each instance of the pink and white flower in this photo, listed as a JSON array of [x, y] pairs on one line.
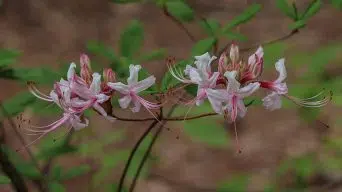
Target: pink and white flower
[[131, 90], [232, 96]]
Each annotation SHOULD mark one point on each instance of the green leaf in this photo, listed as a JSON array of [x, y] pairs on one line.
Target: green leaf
[[29, 170], [4, 180], [56, 172], [211, 26], [203, 46], [207, 131], [180, 10], [8, 56], [337, 4], [75, 172], [42, 75], [236, 184], [235, 36], [273, 53], [191, 89], [56, 187], [99, 48], [245, 16], [297, 25], [114, 187], [18, 103], [286, 9], [153, 55], [125, 1], [311, 10], [131, 39]]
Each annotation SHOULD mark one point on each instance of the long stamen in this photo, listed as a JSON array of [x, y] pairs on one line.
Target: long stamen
[[147, 106], [309, 102], [37, 93], [177, 74], [239, 149]]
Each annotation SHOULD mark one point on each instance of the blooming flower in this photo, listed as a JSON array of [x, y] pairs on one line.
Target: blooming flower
[[254, 67], [201, 76], [131, 90], [232, 96]]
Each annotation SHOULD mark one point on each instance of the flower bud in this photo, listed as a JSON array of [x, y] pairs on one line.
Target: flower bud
[[234, 53], [86, 73], [109, 75], [223, 63]]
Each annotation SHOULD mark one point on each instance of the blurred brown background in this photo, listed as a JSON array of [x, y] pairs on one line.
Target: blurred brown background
[[50, 31]]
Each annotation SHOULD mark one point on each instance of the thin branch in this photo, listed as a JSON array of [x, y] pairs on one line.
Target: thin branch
[[130, 158], [156, 135], [264, 43], [9, 169], [180, 24], [131, 119], [190, 118], [40, 184]]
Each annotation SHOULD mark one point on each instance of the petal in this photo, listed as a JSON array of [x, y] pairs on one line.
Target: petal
[[85, 61], [195, 76], [216, 103], [55, 98], [71, 71], [100, 98], [256, 56], [234, 53], [203, 62], [81, 90], [272, 101], [242, 110], [144, 84], [133, 74], [201, 96], [218, 94], [100, 109], [125, 101], [213, 79], [137, 106], [248, 90], [188, 68], [280, 67], [77, 124], [280, 88], [95, 85], [122, 88], [233, 84]]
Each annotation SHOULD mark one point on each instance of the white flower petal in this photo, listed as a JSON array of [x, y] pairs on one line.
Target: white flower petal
[[272, 101], [195, 77], [242, 109], [204, 61], [213, 79], [144, 84], [100, 98], [248, 90], [77, 124], [100, 109], [125, 101], [95, 85], [280, 67], [133, 74], [259, 53], [216, 98], [137, 106], [71, 71], [120, 87], [233, 84]]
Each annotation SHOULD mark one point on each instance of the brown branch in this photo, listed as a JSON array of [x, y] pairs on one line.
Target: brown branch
[[132, 119], [9, 169], [190, 118], [264, 43], [41, 185], [180, 24]]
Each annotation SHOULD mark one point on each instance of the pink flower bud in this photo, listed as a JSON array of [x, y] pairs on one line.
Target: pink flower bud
[[223, 63], [234, 53], [109, 75], [86, 72]]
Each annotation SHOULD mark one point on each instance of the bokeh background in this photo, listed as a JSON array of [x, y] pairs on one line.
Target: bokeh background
[[285, 150]]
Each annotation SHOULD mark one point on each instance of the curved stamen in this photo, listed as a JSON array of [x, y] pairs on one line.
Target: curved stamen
[[177, 74], [33, 89], [308, 101]]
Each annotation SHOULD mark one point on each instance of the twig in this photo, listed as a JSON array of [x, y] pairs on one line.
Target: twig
[[131, 119], [9, 169], [160, 128], [130, 158], [190, 118], [264, 43], [180, 24]]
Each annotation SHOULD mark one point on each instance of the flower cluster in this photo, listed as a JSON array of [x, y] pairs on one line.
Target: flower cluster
[[235, 80], [77, 94]]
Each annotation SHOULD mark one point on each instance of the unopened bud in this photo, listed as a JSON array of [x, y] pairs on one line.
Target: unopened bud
[[109, 75], [223, 63], [234, 53], [86, 72]]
